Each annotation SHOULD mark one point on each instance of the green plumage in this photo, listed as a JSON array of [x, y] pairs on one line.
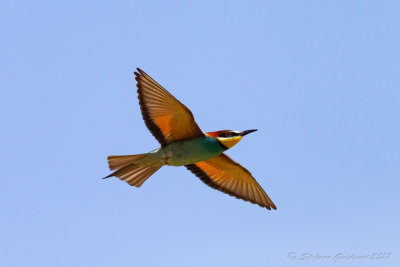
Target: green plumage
[[184, 152]]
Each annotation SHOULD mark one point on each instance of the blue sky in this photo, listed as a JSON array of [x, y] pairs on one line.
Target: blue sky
[[319, 79]]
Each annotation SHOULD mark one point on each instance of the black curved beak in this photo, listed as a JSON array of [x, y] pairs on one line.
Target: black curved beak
[[247, 132]]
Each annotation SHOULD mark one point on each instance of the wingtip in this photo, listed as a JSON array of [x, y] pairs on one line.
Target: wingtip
[[269, 206], [139, 72]]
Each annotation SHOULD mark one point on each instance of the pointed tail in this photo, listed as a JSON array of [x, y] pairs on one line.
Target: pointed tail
[[129, 170]]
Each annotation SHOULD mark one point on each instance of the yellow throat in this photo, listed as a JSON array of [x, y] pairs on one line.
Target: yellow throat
[[229, 141]]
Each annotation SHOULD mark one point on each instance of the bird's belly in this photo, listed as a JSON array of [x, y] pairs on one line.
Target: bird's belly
[[190, 151]]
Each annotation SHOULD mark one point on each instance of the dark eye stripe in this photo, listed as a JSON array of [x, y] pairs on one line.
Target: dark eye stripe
[[228, 134]]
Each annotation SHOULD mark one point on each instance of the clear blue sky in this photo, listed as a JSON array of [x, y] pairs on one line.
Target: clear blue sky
[[319, 79]]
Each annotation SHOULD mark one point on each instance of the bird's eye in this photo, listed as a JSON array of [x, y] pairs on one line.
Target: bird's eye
[[227, 134]]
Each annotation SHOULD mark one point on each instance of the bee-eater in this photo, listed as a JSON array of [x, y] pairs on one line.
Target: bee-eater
[[184, 144]]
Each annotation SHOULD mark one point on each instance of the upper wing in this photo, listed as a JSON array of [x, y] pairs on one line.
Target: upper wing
[[228, 176], [167, 118]]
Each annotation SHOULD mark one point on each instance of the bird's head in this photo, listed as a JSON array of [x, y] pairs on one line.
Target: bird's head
[[229, 138]]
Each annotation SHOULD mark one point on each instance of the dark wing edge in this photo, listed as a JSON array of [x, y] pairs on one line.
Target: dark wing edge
[[153, 128]]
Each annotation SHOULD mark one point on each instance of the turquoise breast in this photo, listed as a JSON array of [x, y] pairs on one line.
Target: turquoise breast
[[190, 151]]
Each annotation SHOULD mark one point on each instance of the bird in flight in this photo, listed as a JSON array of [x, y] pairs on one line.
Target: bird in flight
[[184, 144]]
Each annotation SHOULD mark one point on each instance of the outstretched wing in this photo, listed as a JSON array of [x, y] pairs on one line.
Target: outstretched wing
[[228, 176], [167, 118]]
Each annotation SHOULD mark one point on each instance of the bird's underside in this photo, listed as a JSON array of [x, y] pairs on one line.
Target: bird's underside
[[171, 122]]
